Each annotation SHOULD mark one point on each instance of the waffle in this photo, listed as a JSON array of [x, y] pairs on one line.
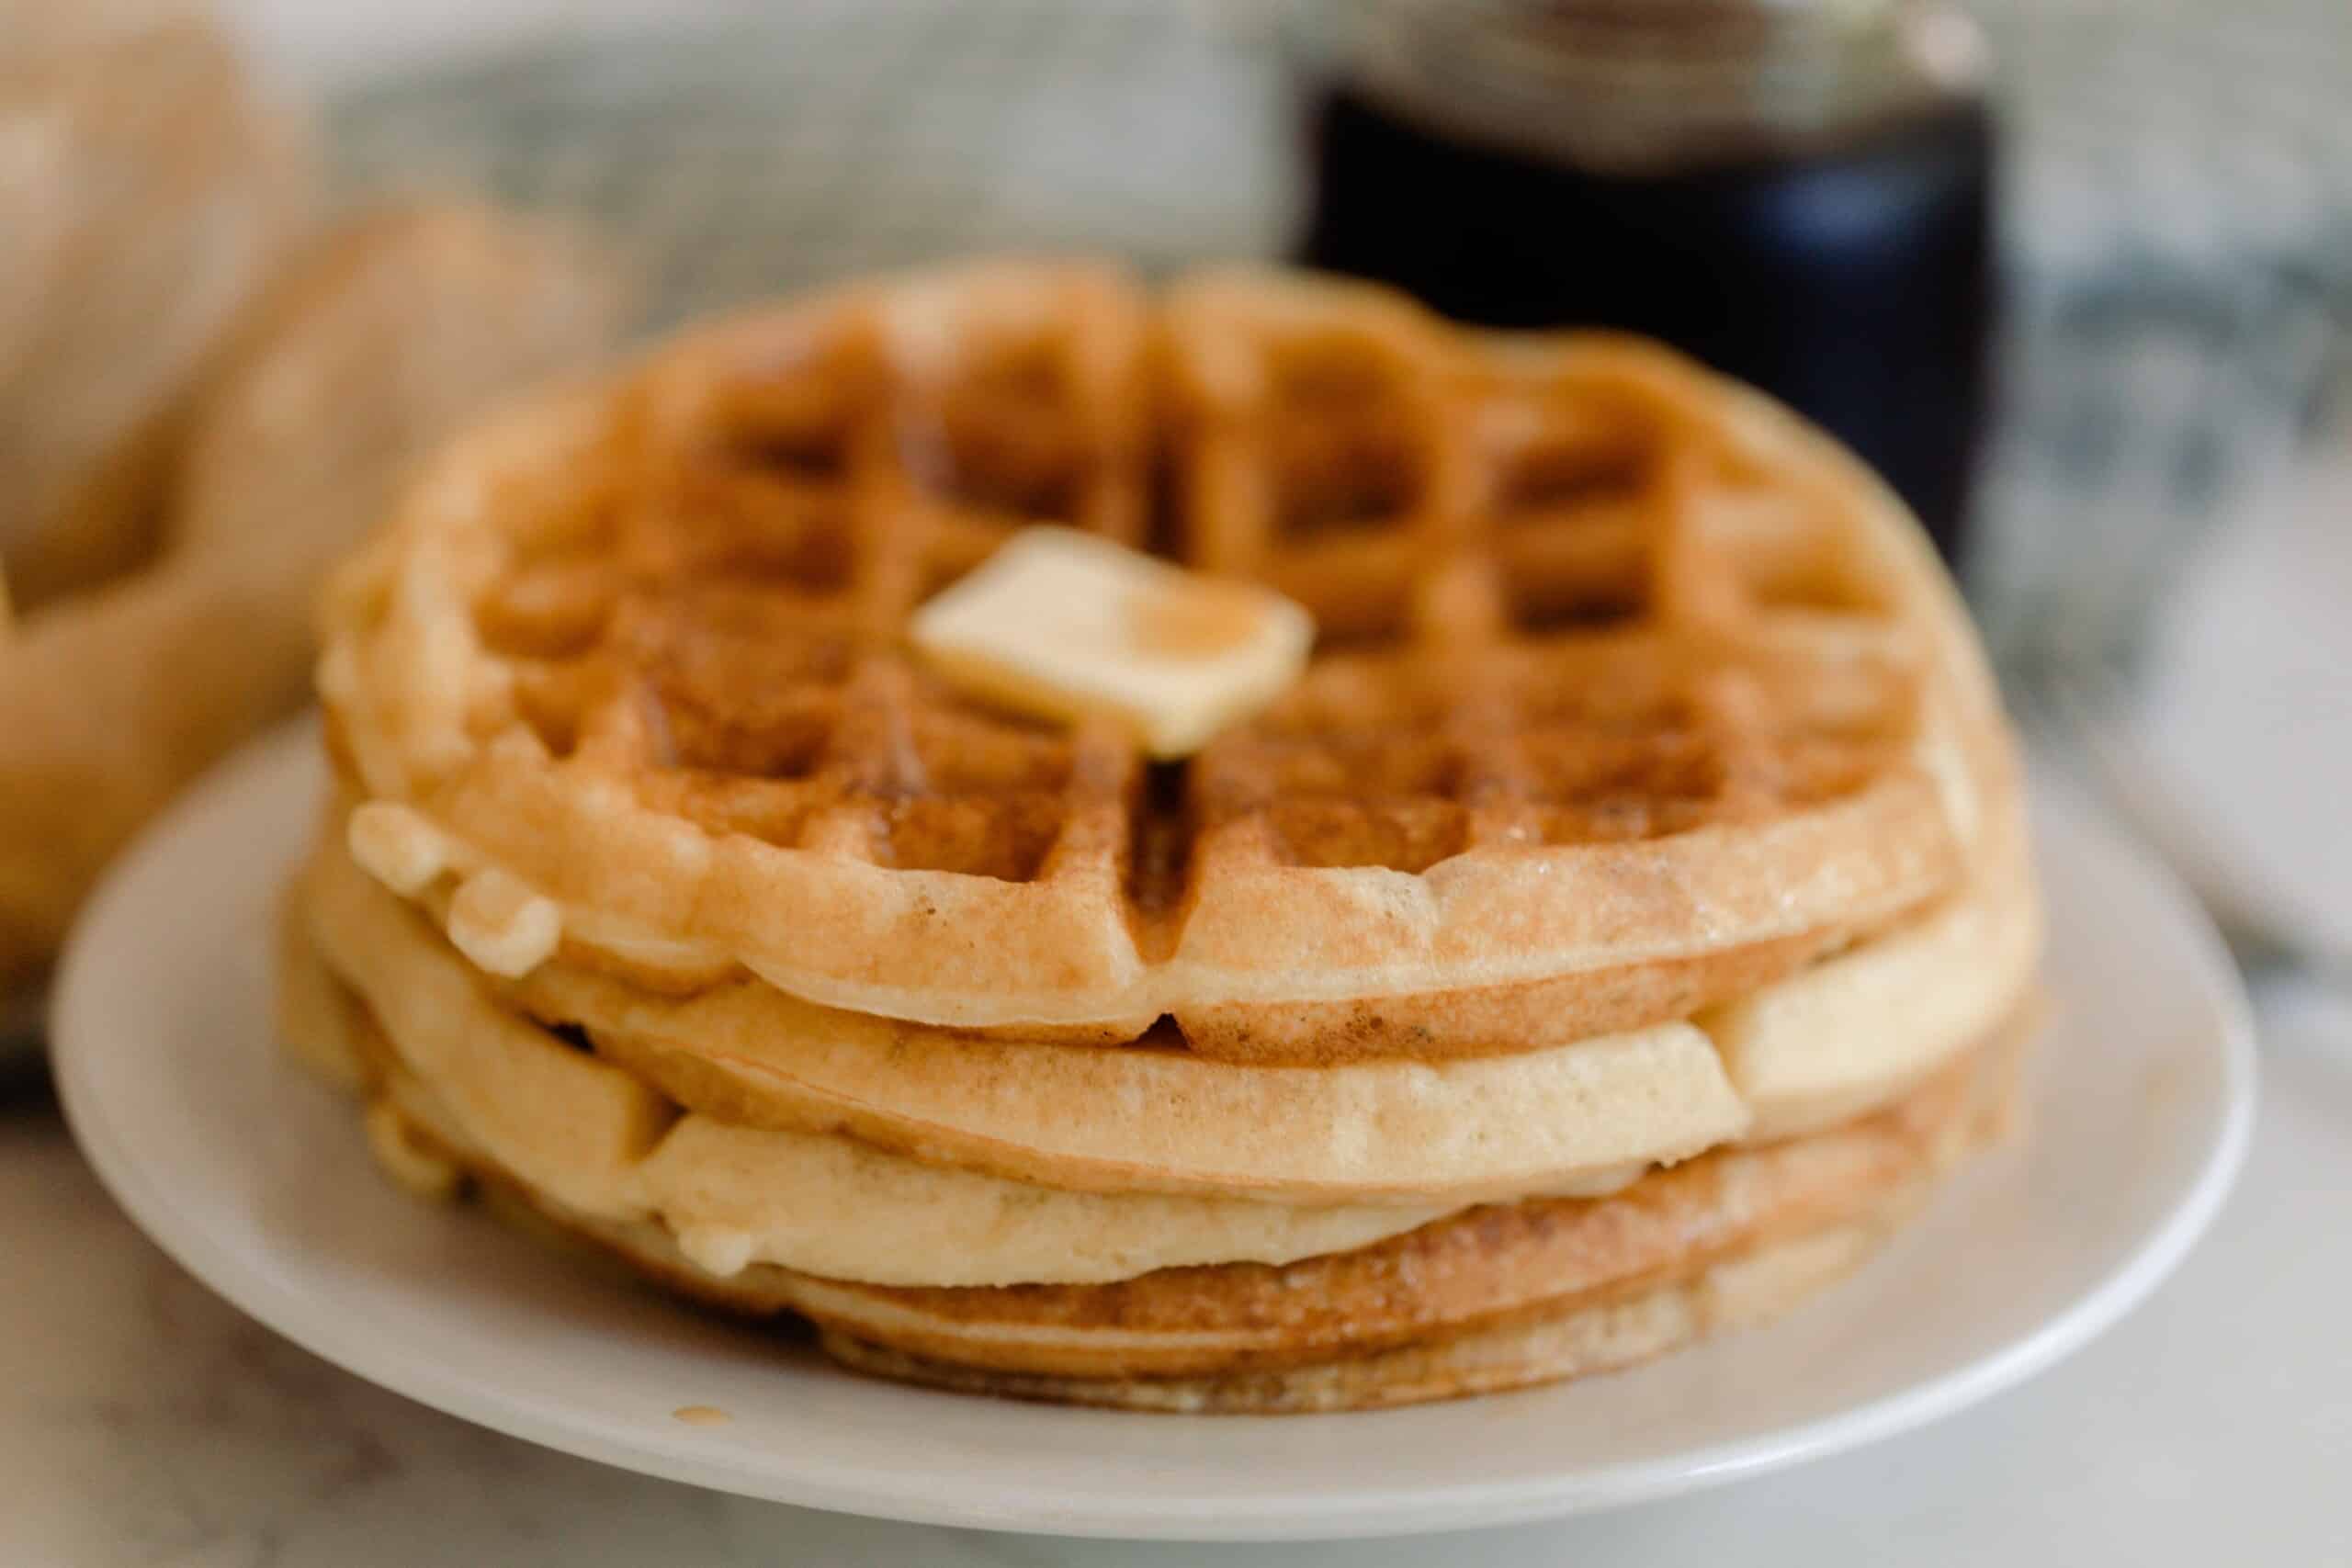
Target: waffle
[[1633, 694], [1073, 1117], [1490, 1297], [602, 1145], [1838, 1041]]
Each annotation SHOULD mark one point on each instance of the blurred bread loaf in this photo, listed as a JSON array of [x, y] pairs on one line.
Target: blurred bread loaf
[[149, 191], [386, 330], [382, 332]]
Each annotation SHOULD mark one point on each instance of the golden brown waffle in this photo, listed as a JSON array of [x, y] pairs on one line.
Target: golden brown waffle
[[1579, 1118], [607, 1125], [1477, 1270], [1023, 1353], [1597, 1330], [1493, 1297], [1633, 693], [589, 1137], [1834, 1041]]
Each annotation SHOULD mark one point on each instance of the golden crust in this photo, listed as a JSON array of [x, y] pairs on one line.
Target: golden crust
[[1497, 1297], [1857, 1030], [637, 647], [1602, 1332], [1487, 1267], [446, 1072], [1077, 1117]]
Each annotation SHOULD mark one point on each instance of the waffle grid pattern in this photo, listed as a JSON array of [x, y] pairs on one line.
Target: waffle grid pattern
[[1571, 601], [788, 526]]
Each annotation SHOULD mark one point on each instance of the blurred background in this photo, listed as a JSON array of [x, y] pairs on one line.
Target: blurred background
[[2073, 274]]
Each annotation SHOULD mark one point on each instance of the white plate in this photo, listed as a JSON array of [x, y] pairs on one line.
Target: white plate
[[252, 1177]]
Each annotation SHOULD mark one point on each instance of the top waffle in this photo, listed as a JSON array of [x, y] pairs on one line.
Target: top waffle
[[1631, 693]]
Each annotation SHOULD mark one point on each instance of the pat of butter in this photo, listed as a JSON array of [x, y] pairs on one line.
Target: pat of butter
[[1068, 625]]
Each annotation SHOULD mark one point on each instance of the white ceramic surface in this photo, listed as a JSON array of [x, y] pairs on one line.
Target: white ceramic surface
[[254, 1179]]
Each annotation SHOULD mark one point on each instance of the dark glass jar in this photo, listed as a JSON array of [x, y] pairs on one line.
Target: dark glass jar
[[1796, 191]]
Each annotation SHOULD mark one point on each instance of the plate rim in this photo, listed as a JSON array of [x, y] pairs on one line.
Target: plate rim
[[1044, 1510]]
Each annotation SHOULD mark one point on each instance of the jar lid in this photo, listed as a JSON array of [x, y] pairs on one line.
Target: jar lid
[[1639, 86]]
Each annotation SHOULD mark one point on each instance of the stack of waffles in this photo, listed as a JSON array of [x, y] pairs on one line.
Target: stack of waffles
[[1622, 923]]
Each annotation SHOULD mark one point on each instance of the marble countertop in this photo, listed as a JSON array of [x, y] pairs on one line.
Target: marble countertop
[[146, 1423]]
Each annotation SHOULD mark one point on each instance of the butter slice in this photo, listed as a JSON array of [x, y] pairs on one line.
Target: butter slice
[[1066, 626]]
